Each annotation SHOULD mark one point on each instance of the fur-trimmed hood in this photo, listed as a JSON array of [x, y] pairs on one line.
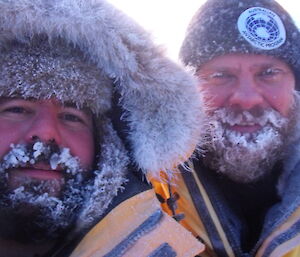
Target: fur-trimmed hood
[[159, 101]]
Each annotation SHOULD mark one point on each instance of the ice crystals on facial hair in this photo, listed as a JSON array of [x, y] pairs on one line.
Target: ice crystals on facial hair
[[30, 213], [22, 155], [245, 157]]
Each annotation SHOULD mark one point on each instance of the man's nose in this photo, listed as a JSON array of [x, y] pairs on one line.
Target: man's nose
[[45, 127], [246, 95]]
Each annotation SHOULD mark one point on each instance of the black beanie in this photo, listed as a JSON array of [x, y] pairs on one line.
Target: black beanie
[[241, 26]]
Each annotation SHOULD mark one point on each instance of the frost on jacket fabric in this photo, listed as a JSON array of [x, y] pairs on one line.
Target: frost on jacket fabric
[[214, 209], [197, 195], [87, 52], [266, 222]]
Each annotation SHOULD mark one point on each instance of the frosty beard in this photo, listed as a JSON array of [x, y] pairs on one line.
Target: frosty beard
[[32, 212], [246, 157]]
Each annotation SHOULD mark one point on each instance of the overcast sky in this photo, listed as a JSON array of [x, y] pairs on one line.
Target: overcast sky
[[168, 19]]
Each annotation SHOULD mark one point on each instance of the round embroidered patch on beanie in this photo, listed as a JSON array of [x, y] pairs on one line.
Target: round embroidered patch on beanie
[[222, 27], [262, 28]]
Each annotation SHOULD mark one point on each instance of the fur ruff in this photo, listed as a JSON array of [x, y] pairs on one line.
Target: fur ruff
[[160, 101], [292, 156]]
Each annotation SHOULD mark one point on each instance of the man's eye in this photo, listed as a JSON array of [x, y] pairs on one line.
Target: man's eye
[[71, 118], [15, 109], [218, 75], [218, 78], [15, 112], [270, 72]]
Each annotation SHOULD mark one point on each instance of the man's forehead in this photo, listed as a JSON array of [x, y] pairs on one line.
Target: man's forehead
[[237, 60]]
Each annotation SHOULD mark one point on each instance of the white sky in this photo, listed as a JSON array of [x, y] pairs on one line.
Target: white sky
[[168, 19]]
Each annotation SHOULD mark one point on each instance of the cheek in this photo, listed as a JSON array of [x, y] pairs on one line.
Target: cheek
[[215, 97], [281, 100], [81, 145], [10, 134], [282, 95]]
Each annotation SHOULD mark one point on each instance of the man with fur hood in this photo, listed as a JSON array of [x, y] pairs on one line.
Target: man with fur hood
[[88, 106], [242, 197]]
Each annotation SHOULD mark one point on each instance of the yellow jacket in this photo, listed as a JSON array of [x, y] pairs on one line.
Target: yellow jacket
[[135, 234], [202, 223]]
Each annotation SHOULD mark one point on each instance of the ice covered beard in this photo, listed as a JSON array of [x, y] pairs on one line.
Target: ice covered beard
[[35, 210], [246, 157]]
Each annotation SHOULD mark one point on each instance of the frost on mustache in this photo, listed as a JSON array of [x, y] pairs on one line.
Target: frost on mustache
[[245, 157], [66, 160], [271, 122], [37, 192], [52, 214], [21, 156]]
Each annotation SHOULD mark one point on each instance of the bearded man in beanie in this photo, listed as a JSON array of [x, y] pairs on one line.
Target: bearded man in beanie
[[240, 195], [88, 106]]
